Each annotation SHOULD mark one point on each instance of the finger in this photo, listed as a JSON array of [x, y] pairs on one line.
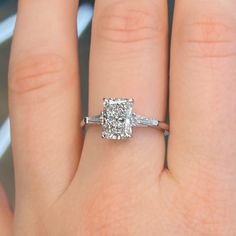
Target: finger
[[44, 99], [128, 60], [202, 92], [5, 214]]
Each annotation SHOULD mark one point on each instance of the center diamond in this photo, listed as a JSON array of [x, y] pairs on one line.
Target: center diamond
[[116, 118]]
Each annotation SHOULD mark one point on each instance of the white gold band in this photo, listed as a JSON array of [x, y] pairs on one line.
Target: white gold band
[[137, 121], [118, 119]]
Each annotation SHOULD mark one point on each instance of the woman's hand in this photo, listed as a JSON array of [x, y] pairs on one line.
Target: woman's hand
[[68, 184]]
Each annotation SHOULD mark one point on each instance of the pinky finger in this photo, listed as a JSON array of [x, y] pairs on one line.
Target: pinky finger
[[5, 214]]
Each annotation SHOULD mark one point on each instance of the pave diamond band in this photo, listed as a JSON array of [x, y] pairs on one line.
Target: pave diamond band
[[117, 119]]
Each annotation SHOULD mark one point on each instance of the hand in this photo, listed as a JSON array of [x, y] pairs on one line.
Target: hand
[[68, 184]]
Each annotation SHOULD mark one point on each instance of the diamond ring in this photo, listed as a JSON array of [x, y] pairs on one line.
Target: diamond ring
[[118, 119]]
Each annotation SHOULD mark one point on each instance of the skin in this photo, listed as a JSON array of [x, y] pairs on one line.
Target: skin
[[68, 184]]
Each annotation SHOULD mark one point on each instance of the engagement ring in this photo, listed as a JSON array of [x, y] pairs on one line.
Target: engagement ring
[[118, 119]]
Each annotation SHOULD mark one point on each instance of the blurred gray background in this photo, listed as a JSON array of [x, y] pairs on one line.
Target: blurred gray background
[[8, 8]]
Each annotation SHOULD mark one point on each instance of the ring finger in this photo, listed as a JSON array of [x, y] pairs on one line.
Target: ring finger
[[128, 60]]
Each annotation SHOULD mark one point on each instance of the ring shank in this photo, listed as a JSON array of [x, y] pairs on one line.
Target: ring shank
[[92, 120], [163, 126], [138, 121]]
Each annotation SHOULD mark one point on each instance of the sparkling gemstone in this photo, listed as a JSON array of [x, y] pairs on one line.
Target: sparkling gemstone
[[117, 118]]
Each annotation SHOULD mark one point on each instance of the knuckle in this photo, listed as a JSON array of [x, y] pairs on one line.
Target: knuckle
[[37, 73], [210, 37], [125, 22]]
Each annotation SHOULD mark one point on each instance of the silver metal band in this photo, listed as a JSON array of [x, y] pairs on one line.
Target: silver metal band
[[118, 119], [136, 121]]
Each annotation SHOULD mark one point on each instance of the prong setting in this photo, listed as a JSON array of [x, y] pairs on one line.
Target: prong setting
[[117, 118]]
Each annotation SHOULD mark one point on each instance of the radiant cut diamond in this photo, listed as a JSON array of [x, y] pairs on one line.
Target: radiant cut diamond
[[117, 118]]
